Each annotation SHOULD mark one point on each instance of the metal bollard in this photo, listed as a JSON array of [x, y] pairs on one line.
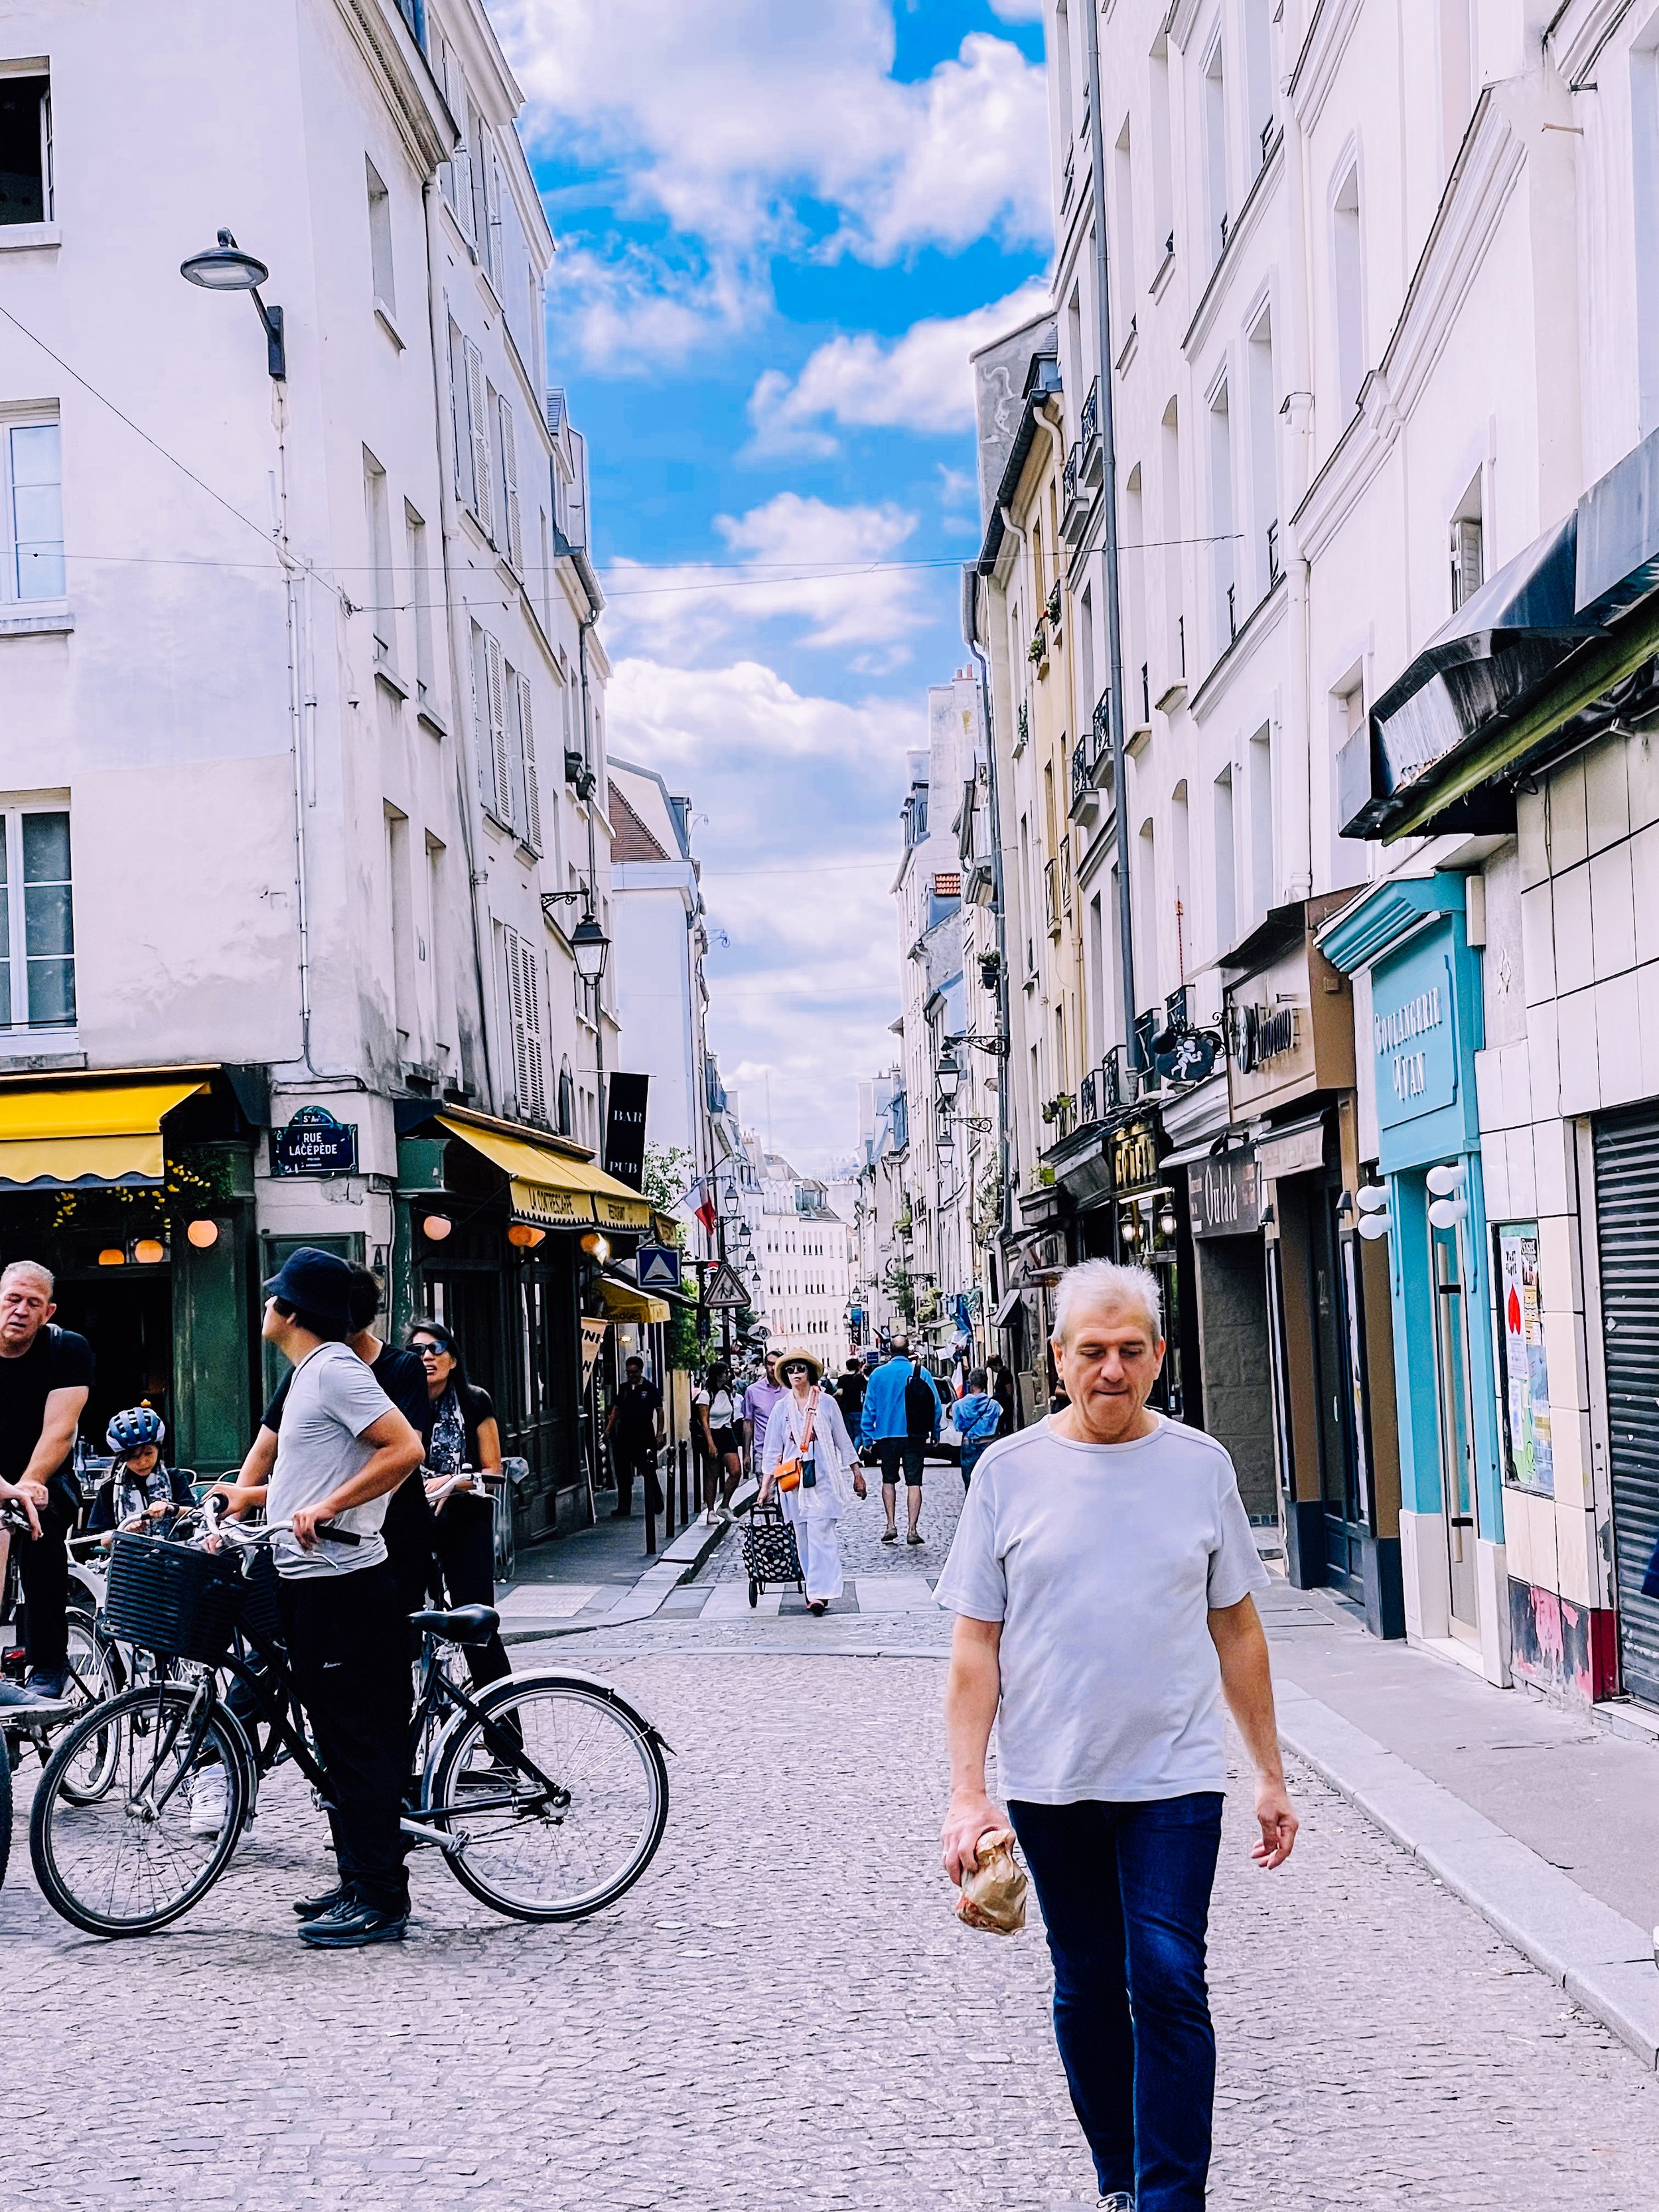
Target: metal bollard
[[687, 1502], [650, 1526], [668, 1498]]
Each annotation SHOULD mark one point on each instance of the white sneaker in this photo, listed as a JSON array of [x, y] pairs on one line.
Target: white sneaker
[[1120, 2201], [210, 1800]]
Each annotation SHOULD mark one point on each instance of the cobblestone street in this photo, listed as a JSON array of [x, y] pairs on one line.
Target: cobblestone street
[[785, 2012]]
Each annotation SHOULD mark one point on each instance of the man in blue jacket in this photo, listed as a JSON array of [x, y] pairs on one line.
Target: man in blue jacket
[[901, 1417]]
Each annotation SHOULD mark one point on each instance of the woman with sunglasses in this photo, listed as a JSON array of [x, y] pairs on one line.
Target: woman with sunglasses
[[808, 1460], [463, 1445]]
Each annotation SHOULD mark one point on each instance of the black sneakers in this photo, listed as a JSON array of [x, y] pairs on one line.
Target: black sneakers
[[314, 1908], [350, 1923], [40, 1690]]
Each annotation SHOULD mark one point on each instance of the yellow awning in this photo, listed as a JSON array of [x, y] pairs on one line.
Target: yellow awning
[[54, 1136], [550, 1187], [624, 1304]]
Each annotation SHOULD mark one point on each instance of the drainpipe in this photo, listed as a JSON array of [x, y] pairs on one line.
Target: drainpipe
[[1296, 782], [1004, 1025], [1109, 551]]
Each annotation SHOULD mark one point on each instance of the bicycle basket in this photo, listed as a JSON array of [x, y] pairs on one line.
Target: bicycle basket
[[173, 1598], [769, 1550]]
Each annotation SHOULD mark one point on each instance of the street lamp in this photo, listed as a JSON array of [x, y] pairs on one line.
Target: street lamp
[[226, 268], [589, 944], [947, 1075]]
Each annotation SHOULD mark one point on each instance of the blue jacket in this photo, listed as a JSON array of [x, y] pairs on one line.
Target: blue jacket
[[977, 1419], [884, 1401]]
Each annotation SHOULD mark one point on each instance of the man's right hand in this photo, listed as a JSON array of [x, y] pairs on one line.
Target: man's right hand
[[239, 1497], [29, 1495], [969, 1815]]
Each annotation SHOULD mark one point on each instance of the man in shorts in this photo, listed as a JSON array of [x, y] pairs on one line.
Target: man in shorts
[[901, 1416]]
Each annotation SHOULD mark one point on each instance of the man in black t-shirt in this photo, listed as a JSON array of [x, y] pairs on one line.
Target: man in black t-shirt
[[634, 1433], [45, 1374]]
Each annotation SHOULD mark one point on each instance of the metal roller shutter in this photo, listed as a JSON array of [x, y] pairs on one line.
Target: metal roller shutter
[[1627, 1222]]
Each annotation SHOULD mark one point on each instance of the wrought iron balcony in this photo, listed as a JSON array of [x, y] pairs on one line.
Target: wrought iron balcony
[[1051, 896], [1088, 424], [1274, 571]]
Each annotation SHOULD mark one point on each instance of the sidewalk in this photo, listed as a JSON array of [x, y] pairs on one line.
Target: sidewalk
[[1546, 1822], [602, 1573]]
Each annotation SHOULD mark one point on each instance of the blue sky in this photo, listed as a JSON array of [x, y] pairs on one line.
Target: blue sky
[[782, 224]]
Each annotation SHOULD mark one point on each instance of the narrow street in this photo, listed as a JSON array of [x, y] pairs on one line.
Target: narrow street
[[784, 2011]]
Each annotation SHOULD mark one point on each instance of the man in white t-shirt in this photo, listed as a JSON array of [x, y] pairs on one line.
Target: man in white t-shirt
[[1102, 1578]]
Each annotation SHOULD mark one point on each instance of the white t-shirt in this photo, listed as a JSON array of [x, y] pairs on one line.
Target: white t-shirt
[[1103, 1562], [332, 1400]]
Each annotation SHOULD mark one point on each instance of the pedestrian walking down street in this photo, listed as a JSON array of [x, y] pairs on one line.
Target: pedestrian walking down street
[[849, 1387], [1102, 1578], [463, 1445], [977, 1417], [810, 1462], [902, 1411], [45, 1375], [722, 1442], [1000, 1385], [634, 1433], [758, 1400], [343, 1448]]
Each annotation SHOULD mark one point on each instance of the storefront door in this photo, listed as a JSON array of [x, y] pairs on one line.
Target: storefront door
[[1338, 1468], [1627, 1231], [1456, 1438]]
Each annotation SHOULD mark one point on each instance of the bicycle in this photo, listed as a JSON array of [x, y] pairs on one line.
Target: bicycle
[[95, 1667], [546, 1794]]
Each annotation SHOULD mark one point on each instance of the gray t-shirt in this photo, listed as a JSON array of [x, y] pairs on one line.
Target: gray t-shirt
[[332, 1400], [1102, 1563]]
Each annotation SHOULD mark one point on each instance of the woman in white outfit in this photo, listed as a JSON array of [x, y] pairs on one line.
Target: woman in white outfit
[[806, 1425]]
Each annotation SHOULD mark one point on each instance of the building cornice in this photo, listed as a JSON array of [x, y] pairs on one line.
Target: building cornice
[[1321, 56], [1259, 624], [1580, 30], [404, 80]]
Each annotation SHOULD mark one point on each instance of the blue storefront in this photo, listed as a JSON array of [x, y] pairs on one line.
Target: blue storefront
[[1417, 1057]]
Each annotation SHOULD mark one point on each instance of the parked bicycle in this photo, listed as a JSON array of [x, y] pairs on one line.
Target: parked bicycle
[[546, 1794]]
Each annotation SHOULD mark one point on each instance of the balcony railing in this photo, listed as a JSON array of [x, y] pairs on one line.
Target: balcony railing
[[1088, 1099], [1266, 142], [1051, 896], [1089, 418], [1051, 605], [1275, 572], [1082, 783], [1068, 477], [1181, 641], [1145, 694], [1100, 727], [1233, 612]]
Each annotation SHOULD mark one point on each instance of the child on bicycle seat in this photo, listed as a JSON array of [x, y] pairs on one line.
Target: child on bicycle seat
[[138, 1489]]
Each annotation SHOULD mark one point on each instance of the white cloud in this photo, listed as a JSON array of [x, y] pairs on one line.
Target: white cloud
[[801, 795], [796, 559], [640, 307], [1018, 11], [741, 122], [919, 381]]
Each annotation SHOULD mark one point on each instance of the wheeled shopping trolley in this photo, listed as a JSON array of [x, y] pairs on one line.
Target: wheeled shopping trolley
[[769, 1551]]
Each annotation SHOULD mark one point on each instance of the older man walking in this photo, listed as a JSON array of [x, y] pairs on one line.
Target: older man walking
[[1102, 1578]]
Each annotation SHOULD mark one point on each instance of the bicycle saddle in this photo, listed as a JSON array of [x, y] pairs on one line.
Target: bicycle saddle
[[468, 1624]]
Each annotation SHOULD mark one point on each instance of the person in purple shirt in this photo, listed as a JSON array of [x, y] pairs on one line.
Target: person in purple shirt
[[758, 1399]]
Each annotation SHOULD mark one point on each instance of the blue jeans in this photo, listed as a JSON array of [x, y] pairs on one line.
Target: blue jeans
[[1125, 1892]]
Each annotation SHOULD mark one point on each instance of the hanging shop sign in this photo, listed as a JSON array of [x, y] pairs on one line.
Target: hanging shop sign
[[1524, 1392], [1224, 1194], [314, 1144], [593, 1337], [1289, 1016], [624, 1128], [1134, 1157]]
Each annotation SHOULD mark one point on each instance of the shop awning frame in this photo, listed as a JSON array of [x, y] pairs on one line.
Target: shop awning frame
[[95, 1133], [550, 1188], [625, 1301]]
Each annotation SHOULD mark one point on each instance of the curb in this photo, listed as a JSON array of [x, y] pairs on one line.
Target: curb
[[680, 1562], [1604, 1962]]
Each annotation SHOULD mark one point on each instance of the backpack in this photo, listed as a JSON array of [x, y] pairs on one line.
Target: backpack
[[921, 1407]]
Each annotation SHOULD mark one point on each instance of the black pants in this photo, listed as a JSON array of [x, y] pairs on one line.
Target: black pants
[[630, 1455], [348, 1645], [465, 1534], [42, 1574]]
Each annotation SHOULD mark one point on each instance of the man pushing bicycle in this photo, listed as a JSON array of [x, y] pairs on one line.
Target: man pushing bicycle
[[343, 1448]]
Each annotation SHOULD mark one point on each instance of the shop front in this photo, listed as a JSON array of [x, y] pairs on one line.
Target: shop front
[[136, 1188], [1426, 1025], [505, 1236]]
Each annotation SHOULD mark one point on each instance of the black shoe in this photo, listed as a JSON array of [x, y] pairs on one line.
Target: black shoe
[[352, 1923], [315, 1908], [623, 1513], [40, 1690]]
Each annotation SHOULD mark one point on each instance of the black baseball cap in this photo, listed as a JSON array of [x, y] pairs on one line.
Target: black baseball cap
[[317, 1282]]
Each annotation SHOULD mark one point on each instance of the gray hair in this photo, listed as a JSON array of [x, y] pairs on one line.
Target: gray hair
[[29, 1268], [1103, 1283]]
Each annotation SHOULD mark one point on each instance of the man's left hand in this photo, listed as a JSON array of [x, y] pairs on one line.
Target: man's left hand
[[1278, 1824]]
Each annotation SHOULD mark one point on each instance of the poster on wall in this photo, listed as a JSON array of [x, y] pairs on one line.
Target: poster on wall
[[1526, 1373]]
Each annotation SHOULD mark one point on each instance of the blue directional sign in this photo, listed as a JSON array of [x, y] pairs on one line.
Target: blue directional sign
[[657, 1267]]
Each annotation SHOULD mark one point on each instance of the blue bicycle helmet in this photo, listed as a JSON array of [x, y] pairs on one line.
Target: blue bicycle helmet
[[132, 1431]]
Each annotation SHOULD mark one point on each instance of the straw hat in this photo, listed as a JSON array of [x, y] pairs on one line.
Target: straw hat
[[797, 1354]]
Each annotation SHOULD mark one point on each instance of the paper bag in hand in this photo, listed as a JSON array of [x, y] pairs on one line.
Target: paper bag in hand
[[993, 1892]]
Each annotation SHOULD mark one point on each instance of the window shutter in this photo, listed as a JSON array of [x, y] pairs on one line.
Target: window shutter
[[514, 949], [535, 1099], [481, 730], [458, 420], [532, 797], [514, 547], [501, 761], [491, 241], [483, 489]]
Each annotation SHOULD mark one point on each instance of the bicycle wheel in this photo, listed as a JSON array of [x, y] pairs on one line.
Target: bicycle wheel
[[564, 1847], [128, 1864], [5, 1806], [96, 1673]]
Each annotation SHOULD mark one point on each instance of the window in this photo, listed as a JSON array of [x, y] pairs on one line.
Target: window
[[1162, 199], [1181, 859], [470, 422], [1225, 609], [25, 149], [1145, 882], [524, 995], [1259, 80], [400, 915], [1226, 900], [526, 791], [420, 599], [1345, 275], [1214, 95], [37, 920], [31, 512], [1645, 148], [1175, 650], [383, 603], [1261, 820], [1468, 563], [1456, 74], [1264, 562], [1124, 249], [489, 723], [510, 538], [379, 242], [431, 948]]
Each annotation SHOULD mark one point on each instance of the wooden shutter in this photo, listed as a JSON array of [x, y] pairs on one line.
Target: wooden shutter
[[531, 825], [534, 1100], [501, 759], [458, 417], [481, 719], [478, 422], [512, 952], [491, 241], [514, 531]]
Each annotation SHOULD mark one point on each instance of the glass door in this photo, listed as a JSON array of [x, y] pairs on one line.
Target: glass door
[[1456, 1435], [1333, 1385]]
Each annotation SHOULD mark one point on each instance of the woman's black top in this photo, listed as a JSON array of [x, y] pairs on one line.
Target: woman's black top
[[455, 1420]]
